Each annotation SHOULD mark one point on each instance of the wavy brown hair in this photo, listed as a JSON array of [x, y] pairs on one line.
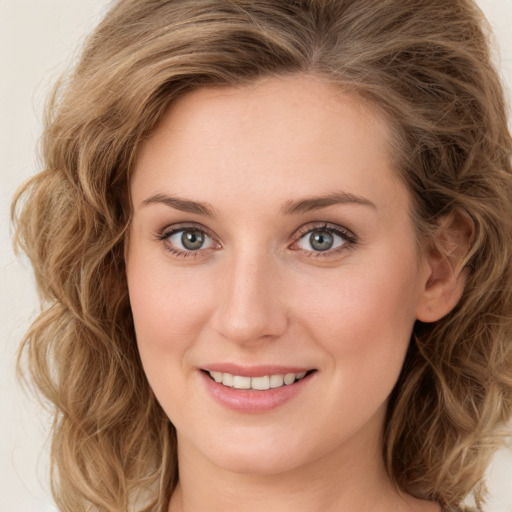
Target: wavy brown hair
[[426, 66]]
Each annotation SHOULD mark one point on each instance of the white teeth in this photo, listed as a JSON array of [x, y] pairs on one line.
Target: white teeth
[[241, 382], [227, 379], [276, 381], [217, 376], [258, 383], [289, 378]]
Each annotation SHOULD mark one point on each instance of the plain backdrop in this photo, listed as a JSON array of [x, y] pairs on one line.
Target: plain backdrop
[[37, 39]]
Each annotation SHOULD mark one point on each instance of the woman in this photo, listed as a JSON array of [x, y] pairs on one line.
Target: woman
[[273, 244]]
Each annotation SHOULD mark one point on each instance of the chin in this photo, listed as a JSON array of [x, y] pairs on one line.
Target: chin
[[256, 455]]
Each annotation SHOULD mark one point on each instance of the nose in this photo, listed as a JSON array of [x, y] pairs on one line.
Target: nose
[[250, 305]]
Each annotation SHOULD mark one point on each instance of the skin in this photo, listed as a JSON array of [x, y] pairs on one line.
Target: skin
[[258, 293]]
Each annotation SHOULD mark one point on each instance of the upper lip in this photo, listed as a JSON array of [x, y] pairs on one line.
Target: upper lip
[[254, 371]]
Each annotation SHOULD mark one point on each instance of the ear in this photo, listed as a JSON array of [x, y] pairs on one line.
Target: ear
[[445, 277]]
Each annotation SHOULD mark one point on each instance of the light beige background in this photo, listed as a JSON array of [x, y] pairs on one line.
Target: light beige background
[[37, 38]]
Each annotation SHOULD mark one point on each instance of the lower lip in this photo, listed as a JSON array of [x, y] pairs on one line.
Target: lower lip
[[253, 401]]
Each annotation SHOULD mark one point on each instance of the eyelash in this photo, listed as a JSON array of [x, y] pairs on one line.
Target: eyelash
[[349, 239], [174, 229]]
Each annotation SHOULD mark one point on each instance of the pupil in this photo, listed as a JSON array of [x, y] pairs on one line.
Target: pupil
[[321, 240], [192, 240]]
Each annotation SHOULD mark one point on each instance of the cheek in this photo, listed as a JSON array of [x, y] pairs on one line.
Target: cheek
[[169, 307], [169, 311], [363, 316]]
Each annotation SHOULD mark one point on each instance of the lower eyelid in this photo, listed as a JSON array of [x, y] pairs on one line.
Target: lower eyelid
[[183, 254], [331, 255]]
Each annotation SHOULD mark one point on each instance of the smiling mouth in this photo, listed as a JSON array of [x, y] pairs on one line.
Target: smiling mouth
[[257, 383]]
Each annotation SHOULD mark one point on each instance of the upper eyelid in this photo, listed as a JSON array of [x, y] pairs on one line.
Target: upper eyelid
[[183, 226], [328, 226]]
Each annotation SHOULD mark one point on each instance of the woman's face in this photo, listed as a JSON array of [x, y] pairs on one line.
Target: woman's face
[[272, 248]]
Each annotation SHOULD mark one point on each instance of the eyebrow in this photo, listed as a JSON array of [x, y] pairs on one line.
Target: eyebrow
[[291, 207], [310, 204], [185, 205]]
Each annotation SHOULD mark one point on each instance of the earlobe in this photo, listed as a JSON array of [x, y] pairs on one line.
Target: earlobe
[[444, 274]]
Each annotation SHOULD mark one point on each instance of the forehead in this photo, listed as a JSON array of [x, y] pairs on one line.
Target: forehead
[[278, 137]]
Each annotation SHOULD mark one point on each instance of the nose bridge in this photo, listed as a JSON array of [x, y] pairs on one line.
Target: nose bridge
[[250, 306]]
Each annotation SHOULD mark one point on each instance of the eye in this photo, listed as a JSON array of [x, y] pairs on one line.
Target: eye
[[184, 241], [324, 238], [190, 240]]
